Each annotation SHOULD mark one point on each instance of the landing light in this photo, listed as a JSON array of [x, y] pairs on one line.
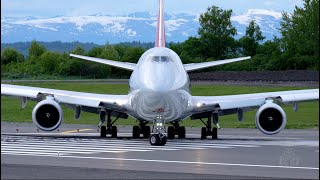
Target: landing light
[[199, 104], [120, 103], [159, 124]]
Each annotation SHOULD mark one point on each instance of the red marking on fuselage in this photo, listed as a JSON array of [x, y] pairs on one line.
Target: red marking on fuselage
[[159, 110]]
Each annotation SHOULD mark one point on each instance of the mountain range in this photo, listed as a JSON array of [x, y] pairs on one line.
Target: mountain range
[[140, 26]]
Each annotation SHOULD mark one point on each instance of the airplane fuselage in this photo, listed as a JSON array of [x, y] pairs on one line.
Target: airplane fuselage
[[159, 87]]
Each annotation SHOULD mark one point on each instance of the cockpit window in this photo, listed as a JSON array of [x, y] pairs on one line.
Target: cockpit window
[[160, 59]]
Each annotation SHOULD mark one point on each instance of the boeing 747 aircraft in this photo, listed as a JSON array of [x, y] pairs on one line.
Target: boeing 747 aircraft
[[159, 94]]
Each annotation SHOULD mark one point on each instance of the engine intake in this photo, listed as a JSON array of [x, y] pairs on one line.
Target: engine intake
[[47, 115], [270, 118]]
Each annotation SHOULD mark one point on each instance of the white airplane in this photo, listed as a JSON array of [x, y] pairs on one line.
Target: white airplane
[[159, 94]]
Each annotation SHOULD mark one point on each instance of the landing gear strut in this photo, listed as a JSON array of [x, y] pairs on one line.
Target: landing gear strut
[[158, 136], [207, 131], [109, 129], [176, 129]]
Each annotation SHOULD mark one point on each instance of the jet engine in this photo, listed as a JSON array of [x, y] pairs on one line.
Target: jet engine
[[270, 118], [47, 114]]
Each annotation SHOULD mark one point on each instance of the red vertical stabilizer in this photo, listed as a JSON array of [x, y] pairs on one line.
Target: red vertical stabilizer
[[160, 36]]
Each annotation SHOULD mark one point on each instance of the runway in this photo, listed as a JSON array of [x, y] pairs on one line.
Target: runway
[[239, 153]]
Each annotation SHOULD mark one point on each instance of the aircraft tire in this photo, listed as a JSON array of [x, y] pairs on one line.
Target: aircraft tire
[[182, 132], [136, 132], [114, 132], [163, 141], [103, 131], [214, 133], [171, 132], [154, 139], [146, 132], [203, 133]]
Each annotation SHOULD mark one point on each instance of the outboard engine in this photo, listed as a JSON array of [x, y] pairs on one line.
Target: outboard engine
[[270, 118], [47, 114]]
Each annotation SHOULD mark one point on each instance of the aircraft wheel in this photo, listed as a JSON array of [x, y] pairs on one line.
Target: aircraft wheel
[[146, 132], [163, 141], [214, 133], [136, 132], [171, 132], [114, 132], [182, 132], [154, 139], [103, 131], [203, 133]]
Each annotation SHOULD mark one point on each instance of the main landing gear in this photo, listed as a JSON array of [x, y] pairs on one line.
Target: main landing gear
[[158, 136], [141, 129], [176, 129], [109, 129], [207, 131]]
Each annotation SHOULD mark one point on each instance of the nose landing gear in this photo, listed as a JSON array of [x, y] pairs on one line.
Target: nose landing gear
[[158, 139], [158, 135]]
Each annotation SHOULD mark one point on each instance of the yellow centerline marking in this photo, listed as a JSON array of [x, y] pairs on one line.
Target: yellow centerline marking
[[73, 131]]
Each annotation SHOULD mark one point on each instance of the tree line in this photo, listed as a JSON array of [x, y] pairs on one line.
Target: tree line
[[296, 49]]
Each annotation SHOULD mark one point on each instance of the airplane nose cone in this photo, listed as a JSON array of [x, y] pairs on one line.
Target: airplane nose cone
[[160, 78], [160, 85]]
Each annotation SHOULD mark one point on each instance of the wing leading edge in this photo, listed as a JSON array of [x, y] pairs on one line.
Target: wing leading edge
[[209, 103], [197, 66], [123, 65], [114, 102]]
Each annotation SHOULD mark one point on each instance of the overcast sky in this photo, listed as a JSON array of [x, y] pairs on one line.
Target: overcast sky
[[51, 8]]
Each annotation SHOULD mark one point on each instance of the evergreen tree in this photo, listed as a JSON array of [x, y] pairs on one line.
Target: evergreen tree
[[300, 32], [36, 50], [216, 32], [250, 41], [9, 55]]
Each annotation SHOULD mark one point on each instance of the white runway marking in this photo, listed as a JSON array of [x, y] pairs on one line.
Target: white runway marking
[[168, 161], [81, 148], [51, 146], [194, 162]]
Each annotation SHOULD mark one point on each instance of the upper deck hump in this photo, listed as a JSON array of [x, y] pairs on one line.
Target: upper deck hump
[[159, 69]]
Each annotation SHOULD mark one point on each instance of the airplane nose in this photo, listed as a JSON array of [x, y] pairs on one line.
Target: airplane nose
[[160, 78], [163, 86]]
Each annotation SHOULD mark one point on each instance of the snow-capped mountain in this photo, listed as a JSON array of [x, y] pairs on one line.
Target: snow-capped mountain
[[139, 26]]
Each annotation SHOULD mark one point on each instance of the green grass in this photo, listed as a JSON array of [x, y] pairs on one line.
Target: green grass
[[306, 117]]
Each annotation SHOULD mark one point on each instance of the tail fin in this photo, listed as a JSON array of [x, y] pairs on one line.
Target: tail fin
[[160, 36]]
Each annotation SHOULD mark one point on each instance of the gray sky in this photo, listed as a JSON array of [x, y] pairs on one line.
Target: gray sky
[[50, 8]]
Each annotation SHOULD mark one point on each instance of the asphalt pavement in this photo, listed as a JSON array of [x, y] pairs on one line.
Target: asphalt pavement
[[77, 152]]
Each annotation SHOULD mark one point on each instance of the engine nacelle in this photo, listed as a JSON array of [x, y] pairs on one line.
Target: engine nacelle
[[47, 115], [270, 118]]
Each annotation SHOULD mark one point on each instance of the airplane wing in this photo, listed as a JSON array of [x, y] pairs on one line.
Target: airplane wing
[[119, 64], [69, 98], [250, 101], [197, 66]]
